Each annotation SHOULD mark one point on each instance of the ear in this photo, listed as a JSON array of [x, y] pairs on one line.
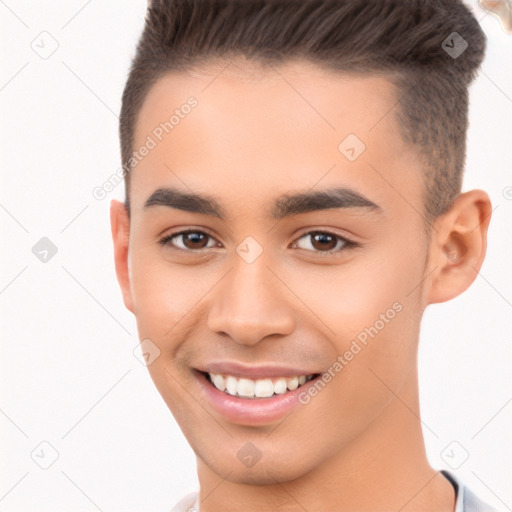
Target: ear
[[458, 245], [120, 226]]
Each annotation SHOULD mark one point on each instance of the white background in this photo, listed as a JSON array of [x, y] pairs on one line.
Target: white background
[[68, 374]]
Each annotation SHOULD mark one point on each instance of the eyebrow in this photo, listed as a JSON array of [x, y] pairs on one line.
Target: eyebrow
[[286, 205]]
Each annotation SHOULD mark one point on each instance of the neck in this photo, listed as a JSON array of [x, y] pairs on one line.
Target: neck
[[385, 468]]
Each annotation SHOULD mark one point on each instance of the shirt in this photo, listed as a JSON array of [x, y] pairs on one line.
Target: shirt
[[465, 500]]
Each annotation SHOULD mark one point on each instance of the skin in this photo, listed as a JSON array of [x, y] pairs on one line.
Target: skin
[[262, 132]]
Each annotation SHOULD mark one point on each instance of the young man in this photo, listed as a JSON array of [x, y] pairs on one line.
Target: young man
[[293, 204]]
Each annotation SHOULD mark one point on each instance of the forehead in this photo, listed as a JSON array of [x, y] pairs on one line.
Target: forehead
[[257, 128]]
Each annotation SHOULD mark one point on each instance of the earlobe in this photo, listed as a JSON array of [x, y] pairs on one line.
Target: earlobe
[[458, 246], [120, 228]]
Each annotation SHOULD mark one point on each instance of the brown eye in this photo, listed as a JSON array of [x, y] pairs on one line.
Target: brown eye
[[324, 242], [321, 242], [190, 240]]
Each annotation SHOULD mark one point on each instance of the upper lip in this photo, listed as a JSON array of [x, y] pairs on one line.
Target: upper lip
[[254, 372]]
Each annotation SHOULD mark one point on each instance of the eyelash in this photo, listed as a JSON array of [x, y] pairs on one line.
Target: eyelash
[[348, 244]]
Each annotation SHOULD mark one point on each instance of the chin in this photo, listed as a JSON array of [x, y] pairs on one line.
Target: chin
[[268, 470]]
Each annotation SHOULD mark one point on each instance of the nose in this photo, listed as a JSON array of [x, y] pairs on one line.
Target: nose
[[250, 304]]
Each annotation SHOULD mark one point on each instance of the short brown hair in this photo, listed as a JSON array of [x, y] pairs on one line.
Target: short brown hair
[[405, 40]]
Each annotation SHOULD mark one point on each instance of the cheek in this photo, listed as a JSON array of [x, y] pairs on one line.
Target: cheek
[[166, 296], [159, 294], [351, 297], [370, 309]]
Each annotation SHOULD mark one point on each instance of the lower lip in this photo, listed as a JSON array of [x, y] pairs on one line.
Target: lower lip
[[251, 411]]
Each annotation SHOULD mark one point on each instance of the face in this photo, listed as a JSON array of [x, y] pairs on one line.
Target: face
[[272, 279]]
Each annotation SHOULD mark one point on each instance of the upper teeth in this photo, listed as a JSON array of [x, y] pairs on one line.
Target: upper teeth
[[259, 388]]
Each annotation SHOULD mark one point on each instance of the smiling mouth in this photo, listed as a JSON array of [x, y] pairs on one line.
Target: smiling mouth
[[257, 388]]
